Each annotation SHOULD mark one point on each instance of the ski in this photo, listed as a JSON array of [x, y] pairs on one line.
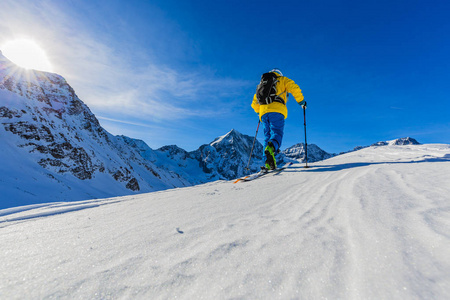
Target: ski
[[251, 177], [262, 173]]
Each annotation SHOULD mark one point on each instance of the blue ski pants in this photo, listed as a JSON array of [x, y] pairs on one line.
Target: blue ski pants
[[273, 124]]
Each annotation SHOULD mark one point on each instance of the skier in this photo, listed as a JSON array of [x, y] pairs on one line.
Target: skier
[[269, 102]]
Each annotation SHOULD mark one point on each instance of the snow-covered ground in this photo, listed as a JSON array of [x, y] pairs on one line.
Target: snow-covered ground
[[370, 224]]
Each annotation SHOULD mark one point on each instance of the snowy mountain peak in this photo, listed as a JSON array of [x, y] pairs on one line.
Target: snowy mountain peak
[[404, 141], [227, 156], [4, 60], [232, 137], [398, 142], [26, 75], [297, 152], [175, 152], [234, 142]]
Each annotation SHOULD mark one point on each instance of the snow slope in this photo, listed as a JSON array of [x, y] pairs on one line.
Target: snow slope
[[370, 224]]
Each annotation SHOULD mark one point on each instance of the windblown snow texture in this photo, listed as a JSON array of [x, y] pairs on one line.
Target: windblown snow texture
[[371, 224]]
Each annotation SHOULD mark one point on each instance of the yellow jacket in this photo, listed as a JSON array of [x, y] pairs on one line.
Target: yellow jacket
[[284, 86]]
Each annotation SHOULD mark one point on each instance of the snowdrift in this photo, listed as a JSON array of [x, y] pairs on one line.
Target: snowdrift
[[370, 224]]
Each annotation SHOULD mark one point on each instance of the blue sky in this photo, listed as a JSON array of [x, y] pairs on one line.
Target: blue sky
[[184, 72]]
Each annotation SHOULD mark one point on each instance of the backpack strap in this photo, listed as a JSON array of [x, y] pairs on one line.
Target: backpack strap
[[278, 98]]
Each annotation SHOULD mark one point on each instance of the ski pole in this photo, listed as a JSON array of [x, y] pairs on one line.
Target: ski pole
[[257, 128], [306, 143]]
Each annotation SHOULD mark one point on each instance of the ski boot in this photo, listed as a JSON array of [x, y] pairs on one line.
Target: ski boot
[[271, 163]]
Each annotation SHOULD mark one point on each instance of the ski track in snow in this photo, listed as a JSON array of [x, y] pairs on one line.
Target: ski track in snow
[[371, 224], [45, 210]]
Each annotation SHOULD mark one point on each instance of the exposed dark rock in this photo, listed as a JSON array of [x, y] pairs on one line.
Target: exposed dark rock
[[133, 185]]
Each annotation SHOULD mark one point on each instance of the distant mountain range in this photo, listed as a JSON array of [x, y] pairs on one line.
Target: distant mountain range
[[397, 142], [53, 145]]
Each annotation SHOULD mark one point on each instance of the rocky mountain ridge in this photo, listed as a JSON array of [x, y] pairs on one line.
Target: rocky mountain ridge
[[43, 118]]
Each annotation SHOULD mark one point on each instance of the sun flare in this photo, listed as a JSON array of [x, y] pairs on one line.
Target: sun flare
[[27, 54]]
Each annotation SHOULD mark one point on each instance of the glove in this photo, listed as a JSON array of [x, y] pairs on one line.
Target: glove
[[303, 104]]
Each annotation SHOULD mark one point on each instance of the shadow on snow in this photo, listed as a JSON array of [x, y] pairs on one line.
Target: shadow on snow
[[339, 167]]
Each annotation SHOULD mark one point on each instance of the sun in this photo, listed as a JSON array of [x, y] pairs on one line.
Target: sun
[[27, 54]]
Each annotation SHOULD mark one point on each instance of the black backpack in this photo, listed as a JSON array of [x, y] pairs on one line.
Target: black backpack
[[266, 91]]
